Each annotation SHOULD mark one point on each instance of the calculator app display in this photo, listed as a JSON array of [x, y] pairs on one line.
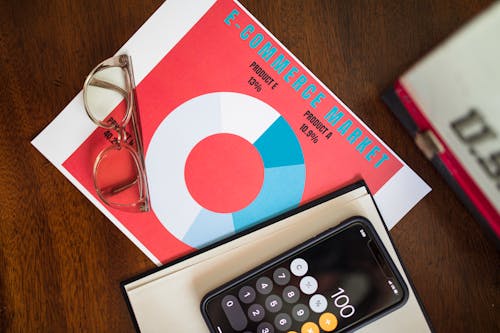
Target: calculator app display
[[329, 284]]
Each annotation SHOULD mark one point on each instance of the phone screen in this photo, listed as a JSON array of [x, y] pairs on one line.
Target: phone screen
[[335, 282]]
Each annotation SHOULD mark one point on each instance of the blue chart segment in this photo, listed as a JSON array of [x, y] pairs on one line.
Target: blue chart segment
[[278, 146], [281, 191], [209, 225]]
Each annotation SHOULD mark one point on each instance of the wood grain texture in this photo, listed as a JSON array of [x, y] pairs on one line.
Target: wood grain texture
[[61, 260]]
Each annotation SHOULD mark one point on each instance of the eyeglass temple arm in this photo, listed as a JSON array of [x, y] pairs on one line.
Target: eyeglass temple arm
[[107, 85], [118, 188]]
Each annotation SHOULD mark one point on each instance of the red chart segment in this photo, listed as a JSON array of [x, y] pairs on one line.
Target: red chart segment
[[224, 173]]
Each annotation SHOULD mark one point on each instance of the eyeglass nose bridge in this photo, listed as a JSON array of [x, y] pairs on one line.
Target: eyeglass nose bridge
[[122, 135]]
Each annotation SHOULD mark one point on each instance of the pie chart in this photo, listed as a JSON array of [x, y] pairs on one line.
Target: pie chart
[[220, 163]]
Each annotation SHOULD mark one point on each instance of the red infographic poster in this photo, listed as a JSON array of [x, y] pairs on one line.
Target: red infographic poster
[[236, 130]]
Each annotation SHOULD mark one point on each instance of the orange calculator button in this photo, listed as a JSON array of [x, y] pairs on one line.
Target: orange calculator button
[[328, 322], [309, 327]]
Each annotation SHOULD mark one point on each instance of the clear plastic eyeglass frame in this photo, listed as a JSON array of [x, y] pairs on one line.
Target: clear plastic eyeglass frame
[[136, 181]]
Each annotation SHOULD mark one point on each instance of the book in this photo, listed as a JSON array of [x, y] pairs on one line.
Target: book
[[170, 296], [235, 130], [450, 103]]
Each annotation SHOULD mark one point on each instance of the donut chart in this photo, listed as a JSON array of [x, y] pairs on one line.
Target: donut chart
[[202, 117]]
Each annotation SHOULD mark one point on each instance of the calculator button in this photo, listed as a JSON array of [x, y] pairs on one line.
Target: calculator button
[[309, 327], [318, 303], [234, 313], [300, 312], [247, 294], [273, 303], [308, 285], [299, 267], [281, 276], [328, 322], [265, 328], [256, 312], [283, 322], [264, 285], [291, 294]]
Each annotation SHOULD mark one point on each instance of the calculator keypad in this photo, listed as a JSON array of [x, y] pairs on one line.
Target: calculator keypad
[[273, 303], [291, 294], [247, 294], [285, 299], [256, 312], [281, 276], [300, 312], [264, 285]]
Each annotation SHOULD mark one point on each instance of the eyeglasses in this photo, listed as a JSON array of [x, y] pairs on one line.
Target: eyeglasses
[[109, 97]]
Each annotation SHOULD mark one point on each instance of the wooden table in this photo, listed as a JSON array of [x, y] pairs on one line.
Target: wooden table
[[61, 260]]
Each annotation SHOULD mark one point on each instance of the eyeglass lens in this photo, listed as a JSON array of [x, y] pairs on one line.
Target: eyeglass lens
[[117, 176], [106, 91]]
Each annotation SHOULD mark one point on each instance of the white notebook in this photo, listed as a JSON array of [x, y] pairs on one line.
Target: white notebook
[[169, 298]]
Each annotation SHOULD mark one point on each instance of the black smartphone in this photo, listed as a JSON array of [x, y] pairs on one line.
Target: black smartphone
[[337, 281]]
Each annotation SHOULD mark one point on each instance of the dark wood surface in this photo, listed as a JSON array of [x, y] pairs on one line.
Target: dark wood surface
[[61, 260]]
